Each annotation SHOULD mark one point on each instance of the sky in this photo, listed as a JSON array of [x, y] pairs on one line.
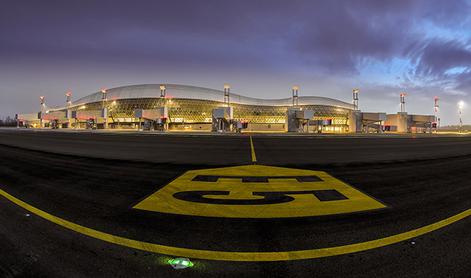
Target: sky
[[261, 47]]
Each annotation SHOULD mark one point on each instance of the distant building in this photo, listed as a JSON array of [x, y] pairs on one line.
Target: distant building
[[189, 108]]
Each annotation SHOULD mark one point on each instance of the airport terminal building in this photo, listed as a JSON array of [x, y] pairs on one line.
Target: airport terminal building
[[187, 108]]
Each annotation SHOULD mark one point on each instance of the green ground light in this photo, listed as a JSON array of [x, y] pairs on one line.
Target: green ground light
[[180, 263]]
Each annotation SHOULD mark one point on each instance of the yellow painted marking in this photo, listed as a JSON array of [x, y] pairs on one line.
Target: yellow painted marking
[[252, 150], [303, 204], [239, 256]]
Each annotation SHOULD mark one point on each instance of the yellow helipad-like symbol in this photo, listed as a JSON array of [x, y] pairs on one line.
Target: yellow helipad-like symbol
[[257, 191]]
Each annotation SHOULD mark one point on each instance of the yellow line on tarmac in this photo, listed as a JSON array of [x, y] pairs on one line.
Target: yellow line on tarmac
[[239, 256], [252, 151]]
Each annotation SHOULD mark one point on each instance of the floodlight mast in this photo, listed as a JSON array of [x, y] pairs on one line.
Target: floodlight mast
[[227, 94], [163, 95], [42, 100], [460, 108], [436, 109], [103, 94], [163, 91], [68, 101], [68, 98], [295, 91], [402, 98], [436, 106], [356, 91], [104, 112]]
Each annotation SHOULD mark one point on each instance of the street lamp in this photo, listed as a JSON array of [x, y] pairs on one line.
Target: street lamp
[[402, 99], [355, 98], [43, 108], [42, 100], [295, 91], [227, 91], [104, 112], [103, 96], [460, 108], [435, 105], [436, 109], [103, 93], [162, 91], [68, 100], [68, 96]]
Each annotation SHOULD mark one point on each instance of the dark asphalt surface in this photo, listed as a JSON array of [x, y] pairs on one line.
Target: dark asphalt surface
[[422, 180], [235, 150]]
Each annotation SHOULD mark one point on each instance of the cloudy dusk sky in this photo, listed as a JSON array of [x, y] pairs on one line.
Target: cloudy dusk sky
[[261, 48]]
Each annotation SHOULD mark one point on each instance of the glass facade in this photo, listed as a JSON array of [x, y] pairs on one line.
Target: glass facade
[[193, 111]]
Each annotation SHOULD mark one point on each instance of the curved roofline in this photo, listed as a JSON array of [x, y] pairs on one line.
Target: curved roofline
[[199, 93]]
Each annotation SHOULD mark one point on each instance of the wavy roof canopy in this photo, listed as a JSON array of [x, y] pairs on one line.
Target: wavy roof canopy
[[192, 92]]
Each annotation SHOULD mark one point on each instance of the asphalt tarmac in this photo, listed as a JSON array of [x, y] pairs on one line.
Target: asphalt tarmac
[[204, 149], [95, 180]]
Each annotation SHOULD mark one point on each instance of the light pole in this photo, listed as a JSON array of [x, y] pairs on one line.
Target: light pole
[[68, 96], [355, 98], [403, 102], [460, 108], [435, 109], [227, 92], [42, 99], [295, 91], [163, 90], [104, 110], [163, 94], [103, 95]]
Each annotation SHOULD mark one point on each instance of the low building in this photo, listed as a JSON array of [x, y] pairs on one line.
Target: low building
[[191, 108], [406, 123]]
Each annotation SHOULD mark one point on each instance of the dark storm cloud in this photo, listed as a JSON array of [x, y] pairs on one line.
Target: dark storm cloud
[[442, 63], [464, 82], [171, 31], [311, 38], [446, 13], [324, 35], [435, 57], [338, 37]]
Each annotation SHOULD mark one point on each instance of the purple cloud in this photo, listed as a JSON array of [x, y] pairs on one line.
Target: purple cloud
[[288, 40], [435, 57]]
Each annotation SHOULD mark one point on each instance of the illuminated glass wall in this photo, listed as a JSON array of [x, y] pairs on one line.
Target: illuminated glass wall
[[200, 111]]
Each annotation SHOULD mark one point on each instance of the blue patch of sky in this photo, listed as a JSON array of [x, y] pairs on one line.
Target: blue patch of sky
[[457, 70], [388, 72], [460, 32]]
